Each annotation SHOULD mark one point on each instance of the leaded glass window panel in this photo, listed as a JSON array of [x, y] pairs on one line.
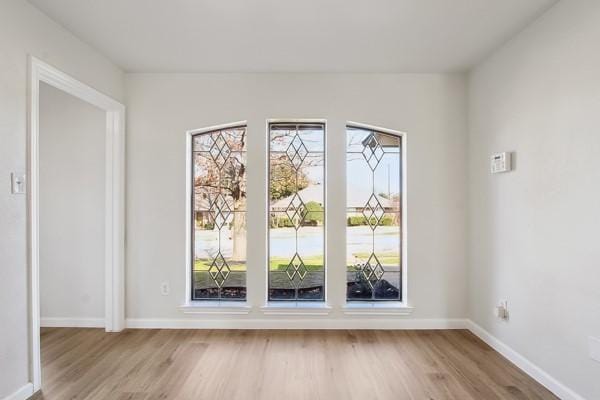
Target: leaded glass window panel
[[219, 217], [297, 212], [374, 215]]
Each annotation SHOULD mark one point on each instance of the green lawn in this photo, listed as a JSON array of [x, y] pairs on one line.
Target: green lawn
[[204, 265], [314, 263], [277, 264]]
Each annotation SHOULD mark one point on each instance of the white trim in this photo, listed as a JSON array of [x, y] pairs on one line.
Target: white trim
[[295, 121], [297, 323], [374, 128], [72, 322], [531, 369], [296, 308], [377, 308], [216, 128], [188, 210], [216, 308], [292, 309], [21, 394], [403, 139], [114, 201]]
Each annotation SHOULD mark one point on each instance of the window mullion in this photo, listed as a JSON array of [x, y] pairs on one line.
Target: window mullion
[[336, 213], [257, 228]]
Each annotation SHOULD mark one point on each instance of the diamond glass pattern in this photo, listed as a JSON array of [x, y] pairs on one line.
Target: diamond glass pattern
[[219, 270], [374, 259], [220, 150], [373, 211], [296, 211], [297, 151], [296, 200], [296, 270], [372, 151], [220, 211], [219, 215], [372, 270]]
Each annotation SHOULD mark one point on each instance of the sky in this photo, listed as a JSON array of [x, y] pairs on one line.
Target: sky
[[386, 177]]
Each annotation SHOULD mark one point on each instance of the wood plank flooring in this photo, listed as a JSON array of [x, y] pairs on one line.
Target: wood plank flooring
[[282, 365]]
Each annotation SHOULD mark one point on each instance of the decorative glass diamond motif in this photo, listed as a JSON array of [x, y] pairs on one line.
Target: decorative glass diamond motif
[[372, 270], [375, 261], [219, 270], [297, 151], [220, 150], [373, 211], [296, 211], [372, 151], [220, 211], [296, 270], [296, 162], [218, 234]]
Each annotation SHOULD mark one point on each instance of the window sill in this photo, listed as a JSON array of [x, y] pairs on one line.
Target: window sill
[[295, 308], [216, 308], [377, 308]]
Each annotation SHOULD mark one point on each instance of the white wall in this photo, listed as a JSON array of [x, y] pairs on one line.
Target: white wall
[[162, 107], [72, 142], [24, 30], [533, 233]]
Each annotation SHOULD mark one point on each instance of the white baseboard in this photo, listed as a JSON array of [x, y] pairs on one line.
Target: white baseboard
[[72, 322], [22, 394], [541, 376], [346, 323]]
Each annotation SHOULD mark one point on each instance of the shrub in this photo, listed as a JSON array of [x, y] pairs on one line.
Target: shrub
[[314, 216], [209, 226], [358, 220], [386, 221], [284, 222]]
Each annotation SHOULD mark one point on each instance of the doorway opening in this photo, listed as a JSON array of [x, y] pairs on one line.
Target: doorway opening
[[48, 83]]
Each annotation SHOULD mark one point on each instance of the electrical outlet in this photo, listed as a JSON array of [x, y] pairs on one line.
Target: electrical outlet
[[501, 310], [165, 289], [594, 344]]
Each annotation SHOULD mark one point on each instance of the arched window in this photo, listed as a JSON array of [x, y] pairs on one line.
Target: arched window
[[373, 215], [297, 212], [219, 214]]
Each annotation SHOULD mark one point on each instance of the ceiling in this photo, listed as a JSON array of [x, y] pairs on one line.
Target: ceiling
[[294, 35]]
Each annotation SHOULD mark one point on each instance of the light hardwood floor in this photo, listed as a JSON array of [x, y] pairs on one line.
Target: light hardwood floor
[[282, 365]]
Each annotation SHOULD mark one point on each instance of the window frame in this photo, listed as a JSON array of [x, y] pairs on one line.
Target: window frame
[[190, 302], [388, 307], [295, 303], [257, 285]]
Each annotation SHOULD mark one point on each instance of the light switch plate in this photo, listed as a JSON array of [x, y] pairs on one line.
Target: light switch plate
[[594, 344], [165, 288], [18, 183]]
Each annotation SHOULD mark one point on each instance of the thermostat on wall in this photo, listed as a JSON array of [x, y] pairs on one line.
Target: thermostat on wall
[[500, 162]]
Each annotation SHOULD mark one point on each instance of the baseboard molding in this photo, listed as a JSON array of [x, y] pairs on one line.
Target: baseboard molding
[[304, 323], [22, 394], [537, 373], [72, 322]]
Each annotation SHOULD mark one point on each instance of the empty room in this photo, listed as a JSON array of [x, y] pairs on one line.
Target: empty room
[[276, 199]]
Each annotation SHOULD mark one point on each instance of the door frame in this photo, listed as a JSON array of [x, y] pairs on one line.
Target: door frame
[[114, 278]]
